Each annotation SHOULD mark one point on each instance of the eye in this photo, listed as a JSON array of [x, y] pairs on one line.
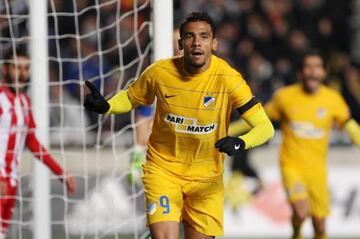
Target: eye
[[187, 37]]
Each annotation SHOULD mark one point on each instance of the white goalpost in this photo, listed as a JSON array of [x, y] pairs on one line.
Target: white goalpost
[[108, 42], [163, 28], [40, 100]]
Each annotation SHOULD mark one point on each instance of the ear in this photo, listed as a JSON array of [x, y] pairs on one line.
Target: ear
[[214, 44], [180, 45]]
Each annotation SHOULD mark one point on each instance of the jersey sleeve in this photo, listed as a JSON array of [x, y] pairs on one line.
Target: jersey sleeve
[[142, 90], [341, 110], [31, 123], [273, 107], [240, 92], [39, 150]]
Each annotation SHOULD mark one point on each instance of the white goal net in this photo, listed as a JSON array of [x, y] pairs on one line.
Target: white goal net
[[107, 42]]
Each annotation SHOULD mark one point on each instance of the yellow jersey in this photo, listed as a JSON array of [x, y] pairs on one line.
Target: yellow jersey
[[192, 113], [306, 121]]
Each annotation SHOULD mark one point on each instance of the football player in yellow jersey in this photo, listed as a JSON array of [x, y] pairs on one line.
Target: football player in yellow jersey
[[307, 111], [195, 95]]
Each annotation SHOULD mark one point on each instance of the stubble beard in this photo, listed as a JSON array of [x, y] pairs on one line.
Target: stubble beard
[[12, 85]]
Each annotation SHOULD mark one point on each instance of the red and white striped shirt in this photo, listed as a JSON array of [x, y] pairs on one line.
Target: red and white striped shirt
[[17, 129]]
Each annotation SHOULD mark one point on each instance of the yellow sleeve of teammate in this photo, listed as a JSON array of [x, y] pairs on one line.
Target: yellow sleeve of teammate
[[261, 127], [272, 108], [353, 130], [120, 103], [341, 110]]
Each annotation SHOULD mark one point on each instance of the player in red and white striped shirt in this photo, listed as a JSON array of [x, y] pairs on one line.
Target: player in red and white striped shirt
[[17, 130]]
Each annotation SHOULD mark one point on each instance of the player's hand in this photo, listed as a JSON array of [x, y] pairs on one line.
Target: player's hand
[[70, 183], [230, 145], [95, 101]]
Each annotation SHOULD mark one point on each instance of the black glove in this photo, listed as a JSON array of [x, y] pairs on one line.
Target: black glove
[[95, 101], [230, 145]]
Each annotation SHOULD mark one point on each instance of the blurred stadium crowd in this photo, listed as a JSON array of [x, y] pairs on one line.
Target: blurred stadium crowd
[[262, 39]]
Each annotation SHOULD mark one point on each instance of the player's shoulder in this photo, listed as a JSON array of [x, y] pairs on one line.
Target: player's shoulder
[[222, 66], [290, 90], [329, 92], [5, 91], [225, 74], [168, 64]]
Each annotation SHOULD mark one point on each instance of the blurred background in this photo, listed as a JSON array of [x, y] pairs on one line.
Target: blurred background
[[261, 39], [110, 42]]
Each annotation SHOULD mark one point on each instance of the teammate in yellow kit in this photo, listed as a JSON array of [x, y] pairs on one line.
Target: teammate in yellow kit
[[307, 112], [195, 95]]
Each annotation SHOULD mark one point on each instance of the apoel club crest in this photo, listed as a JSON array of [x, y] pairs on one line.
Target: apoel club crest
[[321, 113], [209, 100]]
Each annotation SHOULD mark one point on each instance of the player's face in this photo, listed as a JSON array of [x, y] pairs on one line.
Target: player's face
[[313, 73], [17, 73], [198, 42]]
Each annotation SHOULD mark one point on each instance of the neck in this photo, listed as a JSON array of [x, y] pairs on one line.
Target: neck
[[310, 91], [9, 86], [196, 70]]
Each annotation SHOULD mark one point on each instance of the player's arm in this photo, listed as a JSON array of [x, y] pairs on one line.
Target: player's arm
[[272, 110], [261, 130], [95, 101], [261, 127], [238, 127], [140, 92], [353, 130], [343, 118], [121, 103], [43, 155], [3, 185]]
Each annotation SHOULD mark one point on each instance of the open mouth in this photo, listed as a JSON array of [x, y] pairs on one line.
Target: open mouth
[[197, 53], [312, 79]]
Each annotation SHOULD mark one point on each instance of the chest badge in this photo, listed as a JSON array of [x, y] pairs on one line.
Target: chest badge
[[321, 113], [209, 100]]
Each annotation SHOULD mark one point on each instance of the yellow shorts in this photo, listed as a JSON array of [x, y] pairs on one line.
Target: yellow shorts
[[170, 198], [308, 184]]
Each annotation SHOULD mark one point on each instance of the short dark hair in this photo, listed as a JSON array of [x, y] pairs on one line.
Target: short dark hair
[[198, 17], [312, 52], [10, 53]]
